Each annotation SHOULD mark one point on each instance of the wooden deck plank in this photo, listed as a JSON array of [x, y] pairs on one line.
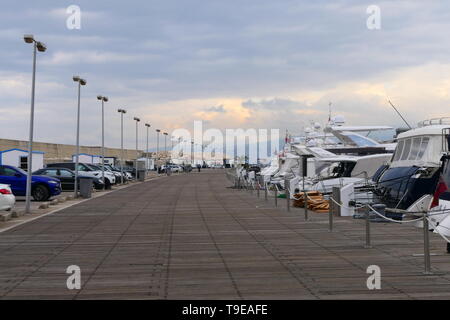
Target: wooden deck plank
[[192, 237]]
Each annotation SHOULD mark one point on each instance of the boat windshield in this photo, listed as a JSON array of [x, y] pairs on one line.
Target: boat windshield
[[400, 187], [361, 141]]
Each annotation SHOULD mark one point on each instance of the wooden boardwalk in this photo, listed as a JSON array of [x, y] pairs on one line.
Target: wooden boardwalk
[[192, 237]]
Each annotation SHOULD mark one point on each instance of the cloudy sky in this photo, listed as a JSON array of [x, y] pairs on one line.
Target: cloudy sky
[[233, 64]]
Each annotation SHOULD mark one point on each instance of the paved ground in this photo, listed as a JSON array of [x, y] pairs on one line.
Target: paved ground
[[191, 237]]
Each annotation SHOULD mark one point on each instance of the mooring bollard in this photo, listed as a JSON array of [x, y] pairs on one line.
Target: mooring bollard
[[276, 196], [265, 192], [330, 215], [426, 245], [288, 196], [368, 245], [306, 205], [306, 200]]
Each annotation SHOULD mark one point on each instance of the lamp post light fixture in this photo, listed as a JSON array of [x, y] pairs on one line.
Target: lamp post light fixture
[[103, 100], [37, 46], [122, 112], [81, 82], [147, 158], [137, 152]]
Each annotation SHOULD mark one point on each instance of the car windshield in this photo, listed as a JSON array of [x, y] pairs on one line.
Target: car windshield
[[21, 171], [93, 167]]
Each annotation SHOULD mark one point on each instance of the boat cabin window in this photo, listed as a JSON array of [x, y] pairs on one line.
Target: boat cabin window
[[406, 149], [411, 149], [399, 150]]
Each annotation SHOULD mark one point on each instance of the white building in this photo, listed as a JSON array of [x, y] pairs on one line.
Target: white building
[[150, 163], [19, 158], [93, 159]]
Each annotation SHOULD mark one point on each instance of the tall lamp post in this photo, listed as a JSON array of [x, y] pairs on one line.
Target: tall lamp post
[[39, 46], [103, 100], [146, 158], [137, 120], [157, 143], [122, 112], [192, 153], [81, 82], [165, 145]]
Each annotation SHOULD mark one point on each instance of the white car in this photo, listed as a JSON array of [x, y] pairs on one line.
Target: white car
[[176, 168], [97, 172], [7, 199]]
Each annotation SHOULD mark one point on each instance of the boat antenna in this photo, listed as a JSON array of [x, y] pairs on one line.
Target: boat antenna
[[329, 111], [399, 114]]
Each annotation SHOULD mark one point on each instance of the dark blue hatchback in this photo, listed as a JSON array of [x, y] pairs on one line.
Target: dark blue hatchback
[[42, 188]]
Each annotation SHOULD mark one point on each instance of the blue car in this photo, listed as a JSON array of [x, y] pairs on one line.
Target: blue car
[[42, 188]]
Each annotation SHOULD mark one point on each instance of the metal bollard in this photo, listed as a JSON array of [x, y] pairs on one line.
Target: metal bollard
[[426, 245], [276, 196], [306, 200], [368, 245], [265, 192], [288, 195], [330, 215], [257, 189]]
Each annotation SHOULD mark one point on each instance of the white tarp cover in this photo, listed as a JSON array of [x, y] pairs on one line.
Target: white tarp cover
[[270, 170], [290, 165], [366, 166]]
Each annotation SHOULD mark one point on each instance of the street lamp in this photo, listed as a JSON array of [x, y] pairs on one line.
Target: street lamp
[[39, 46], [157, 143], [81, 82], [137, 120], [122, 112], [103, 100], [165, 145], [192, 153], [146, 158]]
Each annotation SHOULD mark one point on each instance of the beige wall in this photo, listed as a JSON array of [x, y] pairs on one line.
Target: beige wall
[[63, 152]]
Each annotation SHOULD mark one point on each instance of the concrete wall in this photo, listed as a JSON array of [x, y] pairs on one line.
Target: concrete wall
[[63, 152]]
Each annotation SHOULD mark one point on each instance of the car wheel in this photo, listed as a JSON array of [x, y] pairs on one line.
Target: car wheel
[[40, 193]]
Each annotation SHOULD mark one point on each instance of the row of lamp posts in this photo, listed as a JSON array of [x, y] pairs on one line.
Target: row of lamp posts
[[41, 47]]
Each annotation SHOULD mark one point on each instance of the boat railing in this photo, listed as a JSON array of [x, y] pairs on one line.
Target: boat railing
[[434, 121]]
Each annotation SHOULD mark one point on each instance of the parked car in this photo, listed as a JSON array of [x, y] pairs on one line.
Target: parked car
[[87, 170], [176, 168], [67, 177], [126, 175], [108, 173], [7, 199], [42, 188]]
